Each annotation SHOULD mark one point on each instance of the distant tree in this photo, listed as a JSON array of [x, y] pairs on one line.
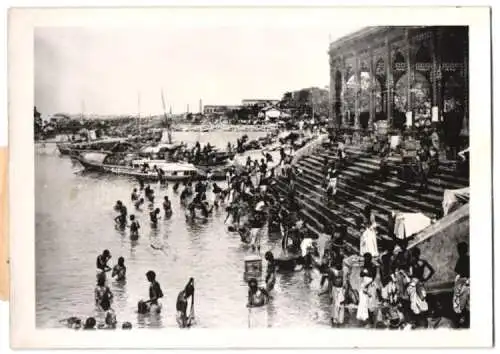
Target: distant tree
[[189, 116], [38, 122]]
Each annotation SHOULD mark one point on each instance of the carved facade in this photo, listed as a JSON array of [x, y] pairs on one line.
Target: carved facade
[[381, 73]]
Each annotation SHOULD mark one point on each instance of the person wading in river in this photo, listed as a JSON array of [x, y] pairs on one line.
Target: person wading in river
[[119, 270], [182, 304], [153, 216], [102, 263], [256, 296], [167, 207], [134, 228], [155, 293]]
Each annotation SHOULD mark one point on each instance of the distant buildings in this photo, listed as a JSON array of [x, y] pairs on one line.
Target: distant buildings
[[219, 109], [259, 102]]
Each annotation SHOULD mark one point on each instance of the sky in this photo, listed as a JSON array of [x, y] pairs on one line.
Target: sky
[[93, 70]]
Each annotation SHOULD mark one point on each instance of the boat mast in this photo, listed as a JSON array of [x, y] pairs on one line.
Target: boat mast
[[167, 120]]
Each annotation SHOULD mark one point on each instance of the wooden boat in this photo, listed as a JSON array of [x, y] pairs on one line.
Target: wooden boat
[[103, 145], [100, 162]]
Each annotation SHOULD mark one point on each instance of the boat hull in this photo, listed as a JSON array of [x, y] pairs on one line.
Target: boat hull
[[130, 172]]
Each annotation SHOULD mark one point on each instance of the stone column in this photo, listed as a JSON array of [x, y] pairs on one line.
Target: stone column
[[409, 74], [331, 91], [465, 122], [342, 91], [388, 82], [434, 72], [371, 91], [358, 88]]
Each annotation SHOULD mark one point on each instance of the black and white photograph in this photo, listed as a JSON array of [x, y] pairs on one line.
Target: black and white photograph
[[255, 176]]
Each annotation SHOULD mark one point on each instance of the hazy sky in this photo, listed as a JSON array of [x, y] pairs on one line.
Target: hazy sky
[[103, 70]]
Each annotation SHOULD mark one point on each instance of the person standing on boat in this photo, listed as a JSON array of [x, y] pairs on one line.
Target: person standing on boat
[[182, 305]]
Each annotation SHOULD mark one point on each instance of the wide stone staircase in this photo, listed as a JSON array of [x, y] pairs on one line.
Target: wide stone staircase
[[359, 185]]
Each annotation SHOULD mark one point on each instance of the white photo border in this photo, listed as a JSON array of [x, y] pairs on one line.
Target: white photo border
[[24, 333]]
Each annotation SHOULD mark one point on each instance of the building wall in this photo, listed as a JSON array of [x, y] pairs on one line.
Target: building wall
[[383, 72]]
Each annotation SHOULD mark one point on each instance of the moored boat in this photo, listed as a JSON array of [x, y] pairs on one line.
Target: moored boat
[[142, 169]]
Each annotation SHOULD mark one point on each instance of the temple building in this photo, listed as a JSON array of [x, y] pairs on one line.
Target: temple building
[[401, 75]]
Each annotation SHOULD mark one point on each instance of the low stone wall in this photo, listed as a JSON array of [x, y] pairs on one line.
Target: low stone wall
[[438, 245]]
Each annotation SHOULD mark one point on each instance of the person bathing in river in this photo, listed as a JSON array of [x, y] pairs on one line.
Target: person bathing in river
[[119, 270], [217, 191], [138, 204], [256, 296], [103, 296], [134, 196], [167, 207], [153, 216], [150, 194], [182, 305], [270, 271], [102, 263], [155, 293], [134, 228]]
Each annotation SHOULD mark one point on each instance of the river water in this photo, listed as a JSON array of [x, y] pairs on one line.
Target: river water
[[74, 224]]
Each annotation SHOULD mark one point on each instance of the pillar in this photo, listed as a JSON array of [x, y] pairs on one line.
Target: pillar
[[434, 73], [465, 122], [409, 107], [342, 91], [389, 82], [372, 88], [358, 88]]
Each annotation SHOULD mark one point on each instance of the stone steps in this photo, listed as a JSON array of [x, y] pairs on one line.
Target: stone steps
[[386, 192], [359, 186], [342, 212], [442, 177]]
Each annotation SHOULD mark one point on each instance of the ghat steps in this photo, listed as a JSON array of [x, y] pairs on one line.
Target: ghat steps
[[359, 185]]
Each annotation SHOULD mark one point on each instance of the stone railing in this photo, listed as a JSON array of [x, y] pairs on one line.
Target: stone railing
[[309, 148]]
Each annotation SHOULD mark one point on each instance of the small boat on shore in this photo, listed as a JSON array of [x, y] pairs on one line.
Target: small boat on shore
[[144, 169]]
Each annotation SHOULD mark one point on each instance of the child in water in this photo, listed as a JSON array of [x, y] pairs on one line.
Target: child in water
[[119, 270], [134, 227]]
